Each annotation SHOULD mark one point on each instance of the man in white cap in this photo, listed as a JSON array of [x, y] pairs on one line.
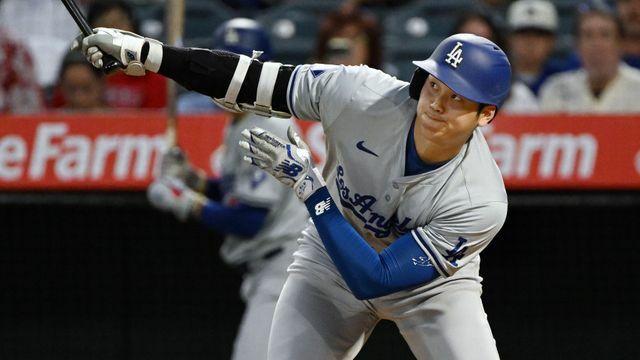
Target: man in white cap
[[533, 25]]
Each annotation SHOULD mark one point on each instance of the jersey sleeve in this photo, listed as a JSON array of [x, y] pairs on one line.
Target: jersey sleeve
[[453, 242], [321, 92]]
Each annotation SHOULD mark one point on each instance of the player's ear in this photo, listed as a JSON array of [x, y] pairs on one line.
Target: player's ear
[[486, 114]]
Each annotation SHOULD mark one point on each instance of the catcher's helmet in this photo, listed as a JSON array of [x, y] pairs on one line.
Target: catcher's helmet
[[470, 65], [242, 36]]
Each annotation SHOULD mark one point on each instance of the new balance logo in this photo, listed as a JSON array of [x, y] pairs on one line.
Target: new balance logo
[[322, 206], [454, 58], [288, 168]]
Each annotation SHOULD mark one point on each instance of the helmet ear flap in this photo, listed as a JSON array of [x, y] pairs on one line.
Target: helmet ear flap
[[417, 82]]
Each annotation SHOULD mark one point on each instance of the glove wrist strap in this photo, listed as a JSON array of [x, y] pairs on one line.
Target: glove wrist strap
[[154, 58], [308, 184]]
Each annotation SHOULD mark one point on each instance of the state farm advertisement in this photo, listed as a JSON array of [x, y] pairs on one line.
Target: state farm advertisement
[[120, 151], [95, 152]]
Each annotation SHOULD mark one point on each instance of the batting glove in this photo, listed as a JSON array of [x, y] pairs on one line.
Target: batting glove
[[175, 163], [135, 52], [290, 163], [172, 195]]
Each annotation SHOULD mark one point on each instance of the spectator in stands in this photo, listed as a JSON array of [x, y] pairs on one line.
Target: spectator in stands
[[82, 86], [19, 90], [349, 36], [497, 7], [521, 99], [479, 23], [122, 91], [604, 83], [531, 41], [43, 27], [629, 11]]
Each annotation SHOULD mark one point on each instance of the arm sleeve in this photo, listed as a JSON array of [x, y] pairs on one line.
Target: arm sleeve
[[210, 71], [368, 274], [242, 220]]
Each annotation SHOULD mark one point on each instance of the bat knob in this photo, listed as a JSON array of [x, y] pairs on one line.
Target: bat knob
[[111, 64]]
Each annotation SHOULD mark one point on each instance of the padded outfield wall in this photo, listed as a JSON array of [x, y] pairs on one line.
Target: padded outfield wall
[[104, 276], [88, 270]]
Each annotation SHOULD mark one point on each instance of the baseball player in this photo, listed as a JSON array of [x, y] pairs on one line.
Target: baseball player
[[260, 217], [409, 196]]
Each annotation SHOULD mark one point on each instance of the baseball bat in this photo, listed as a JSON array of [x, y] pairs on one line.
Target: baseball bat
[[109, 62], [175, 25]]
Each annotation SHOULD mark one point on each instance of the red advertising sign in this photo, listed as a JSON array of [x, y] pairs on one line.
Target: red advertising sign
[[567, 152], [120, 151], [110, 151]]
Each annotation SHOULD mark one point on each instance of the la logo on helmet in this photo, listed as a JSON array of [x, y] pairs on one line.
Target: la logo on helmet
[[454, 57]]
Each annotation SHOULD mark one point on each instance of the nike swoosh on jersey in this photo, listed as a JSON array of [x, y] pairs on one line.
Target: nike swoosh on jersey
[[360, 146]]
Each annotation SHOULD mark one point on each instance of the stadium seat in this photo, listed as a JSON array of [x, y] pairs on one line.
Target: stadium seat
[[201, 19], [567, 10], [293, 27], [414, 30]]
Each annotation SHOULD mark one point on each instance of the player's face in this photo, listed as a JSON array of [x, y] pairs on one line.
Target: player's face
[[445, 118]]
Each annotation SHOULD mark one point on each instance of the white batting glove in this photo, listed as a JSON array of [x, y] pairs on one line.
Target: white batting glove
[[126, 47], [175, 163], [172, 195], [290, 163]]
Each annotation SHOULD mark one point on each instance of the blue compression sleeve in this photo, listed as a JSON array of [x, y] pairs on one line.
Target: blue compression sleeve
[[368, 274], [240, 220]]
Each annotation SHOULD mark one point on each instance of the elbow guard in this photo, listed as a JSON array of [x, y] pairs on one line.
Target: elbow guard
[[262, 105]]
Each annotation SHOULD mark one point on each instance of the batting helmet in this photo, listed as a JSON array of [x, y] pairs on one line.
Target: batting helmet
[[470, 65], [242, 36]]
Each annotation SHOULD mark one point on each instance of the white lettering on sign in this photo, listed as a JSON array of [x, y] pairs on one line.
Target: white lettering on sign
[[43, 149], [79, 157], [559, 155], [13, 153]]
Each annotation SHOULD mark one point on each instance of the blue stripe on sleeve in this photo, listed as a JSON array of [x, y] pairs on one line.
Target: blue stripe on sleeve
[[368, 274], [241, 220]]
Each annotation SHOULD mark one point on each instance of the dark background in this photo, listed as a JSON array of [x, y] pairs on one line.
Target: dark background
[[104, 276]]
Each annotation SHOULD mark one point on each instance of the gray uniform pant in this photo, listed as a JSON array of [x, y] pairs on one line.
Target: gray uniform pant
[[317, 316], [260, 290]]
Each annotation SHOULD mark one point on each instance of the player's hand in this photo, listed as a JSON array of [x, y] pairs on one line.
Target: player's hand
[[175, 163], [172, 195], [290, 163], [135, 52]]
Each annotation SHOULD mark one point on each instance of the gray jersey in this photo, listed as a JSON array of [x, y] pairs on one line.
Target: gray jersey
[[252, 186], [454, 211]]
